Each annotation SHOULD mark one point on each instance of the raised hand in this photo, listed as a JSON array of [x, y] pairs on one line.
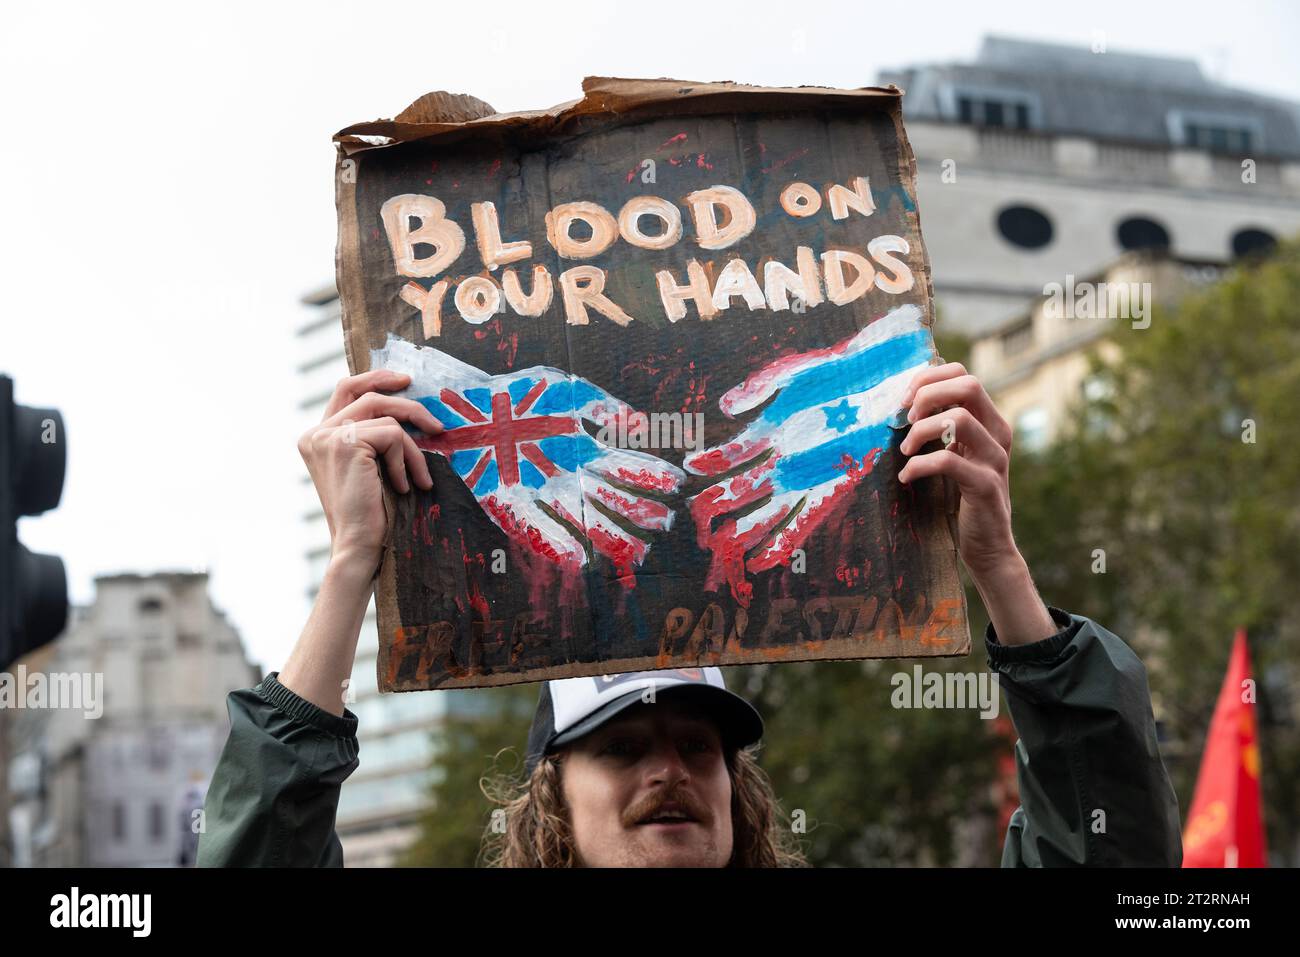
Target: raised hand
[[518, 443], [825, 422], [362, 426], [946, 402]]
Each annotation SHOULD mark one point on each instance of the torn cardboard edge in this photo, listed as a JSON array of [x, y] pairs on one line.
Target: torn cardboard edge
[[441, 113], [447, 118], [444, 115]]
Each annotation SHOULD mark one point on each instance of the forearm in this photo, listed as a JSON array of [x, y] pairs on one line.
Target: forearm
[[322, 659], [1015, 609], [1092, 783]]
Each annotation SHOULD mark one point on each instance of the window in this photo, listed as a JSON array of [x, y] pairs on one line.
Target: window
[[1025, 227], [1002, 109], [155, 822], [1216, 132], [1138, 232], [1220, 139], [1017, 339], [151, 604], [1031, 429], [1252, 242], [158, 753]]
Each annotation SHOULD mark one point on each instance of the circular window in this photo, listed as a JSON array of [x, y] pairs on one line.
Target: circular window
[[1252, 242], [1025, 227], [1138, 232]]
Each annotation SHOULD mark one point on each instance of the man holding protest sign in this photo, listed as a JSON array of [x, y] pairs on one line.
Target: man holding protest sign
[[622, 577], [673, 781]]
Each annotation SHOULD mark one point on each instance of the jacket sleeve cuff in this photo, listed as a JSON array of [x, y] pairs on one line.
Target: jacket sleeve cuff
[[304, 711], [1036, 651]]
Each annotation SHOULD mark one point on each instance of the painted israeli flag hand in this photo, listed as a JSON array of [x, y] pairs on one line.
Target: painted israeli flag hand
[[518, 443], [825, 424]]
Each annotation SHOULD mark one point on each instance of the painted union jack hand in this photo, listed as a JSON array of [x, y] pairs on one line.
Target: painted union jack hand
[[518, 442], [825, 420]]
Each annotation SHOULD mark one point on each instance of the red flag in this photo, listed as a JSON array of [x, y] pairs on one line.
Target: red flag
[[1226, 825]]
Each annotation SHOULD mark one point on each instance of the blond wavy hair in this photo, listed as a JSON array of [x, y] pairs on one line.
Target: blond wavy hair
[[537, 830]]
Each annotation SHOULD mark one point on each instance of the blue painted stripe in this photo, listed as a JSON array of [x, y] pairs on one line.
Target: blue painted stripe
[[481, 399], [803, 470], [489, 480], [519, 388], [448, 418], [849, 375], [530, 475], [570, 452], [465, 460], [567, 395]]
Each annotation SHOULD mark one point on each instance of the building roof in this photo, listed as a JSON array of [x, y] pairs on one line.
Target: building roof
[[1127, 97]]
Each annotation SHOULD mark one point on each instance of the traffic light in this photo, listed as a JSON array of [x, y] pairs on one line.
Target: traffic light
[[33, 588]]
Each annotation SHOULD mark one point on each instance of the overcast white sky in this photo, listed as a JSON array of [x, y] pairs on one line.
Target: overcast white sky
[[168, 197]]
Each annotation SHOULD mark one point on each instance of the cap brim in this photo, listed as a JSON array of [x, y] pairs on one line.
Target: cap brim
[[739, 724]]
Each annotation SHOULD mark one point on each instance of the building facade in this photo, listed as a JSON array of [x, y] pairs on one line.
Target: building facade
[[1036, 366], [119, 779], [1037, 161]]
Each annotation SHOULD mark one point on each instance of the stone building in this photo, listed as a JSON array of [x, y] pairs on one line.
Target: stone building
[[121, 788], [1037, 161]]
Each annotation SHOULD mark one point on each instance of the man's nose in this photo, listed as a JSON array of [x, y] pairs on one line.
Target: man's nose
[[665, 764]]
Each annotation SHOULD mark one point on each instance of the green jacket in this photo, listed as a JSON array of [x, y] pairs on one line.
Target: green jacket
[[1093, 787]]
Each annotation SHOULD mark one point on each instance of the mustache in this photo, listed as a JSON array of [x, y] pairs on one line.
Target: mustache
[[651, 804]]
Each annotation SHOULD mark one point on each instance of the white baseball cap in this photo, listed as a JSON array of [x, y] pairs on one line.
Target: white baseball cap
[[569, 708]]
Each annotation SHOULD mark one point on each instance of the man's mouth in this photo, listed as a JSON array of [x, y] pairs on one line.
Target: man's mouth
[[669, 815]]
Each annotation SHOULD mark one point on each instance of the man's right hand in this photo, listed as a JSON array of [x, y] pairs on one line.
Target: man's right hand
[[361, 426]]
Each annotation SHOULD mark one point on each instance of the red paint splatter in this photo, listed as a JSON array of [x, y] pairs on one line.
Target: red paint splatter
[[829, 511], [476, 599], [786, 161], [644, 511], [494, 168], [679, 138], [623, 551], [725, 457], [523, 531], [422, 528], [510, 346], [662, 481]]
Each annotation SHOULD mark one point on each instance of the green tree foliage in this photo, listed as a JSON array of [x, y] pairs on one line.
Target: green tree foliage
[[491, 740], [879, 786], [1199, 532], [1185, 473]]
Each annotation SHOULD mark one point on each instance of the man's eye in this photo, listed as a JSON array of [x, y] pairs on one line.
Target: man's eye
[[699, 744], [620, 747]]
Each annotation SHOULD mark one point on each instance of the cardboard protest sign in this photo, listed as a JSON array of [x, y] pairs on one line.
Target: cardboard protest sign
[[667, 329]]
